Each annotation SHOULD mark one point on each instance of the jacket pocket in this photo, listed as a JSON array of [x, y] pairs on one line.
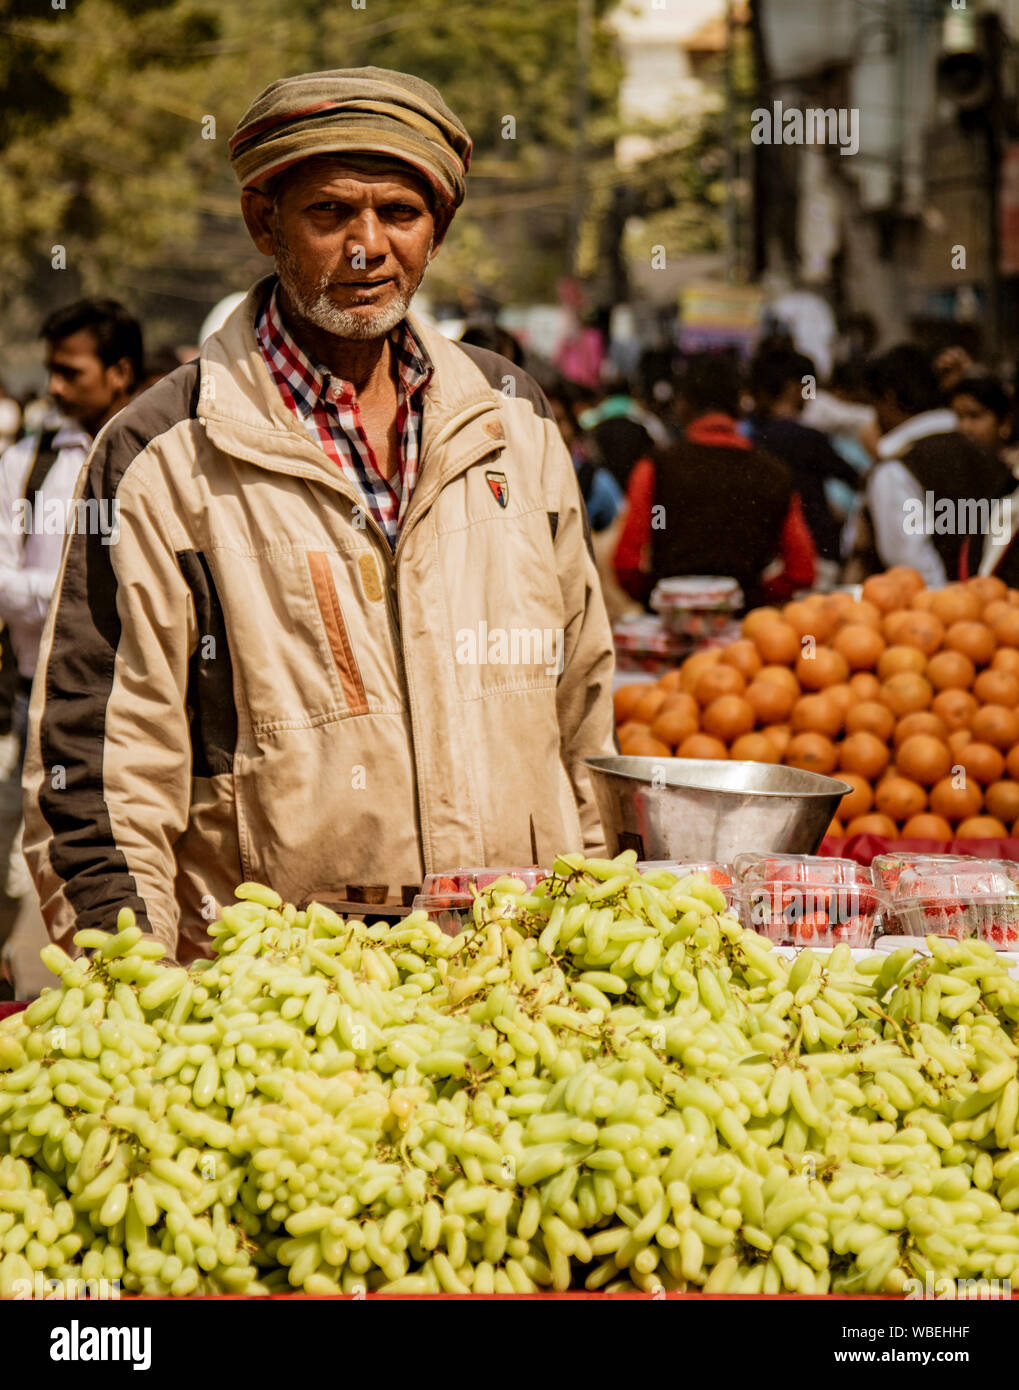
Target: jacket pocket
[[336, 631]]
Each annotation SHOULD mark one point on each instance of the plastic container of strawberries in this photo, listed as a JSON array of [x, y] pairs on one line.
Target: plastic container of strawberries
[[966, 899], [448, 898], [806, 900]]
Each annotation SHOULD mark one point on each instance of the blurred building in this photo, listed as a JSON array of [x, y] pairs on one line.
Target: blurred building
[[917, 226]]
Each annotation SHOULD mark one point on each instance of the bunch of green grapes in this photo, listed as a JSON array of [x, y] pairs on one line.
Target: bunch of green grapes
[[604, 1082]]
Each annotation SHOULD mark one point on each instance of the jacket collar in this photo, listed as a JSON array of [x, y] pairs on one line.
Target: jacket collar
[[920, 426], [243, 413]]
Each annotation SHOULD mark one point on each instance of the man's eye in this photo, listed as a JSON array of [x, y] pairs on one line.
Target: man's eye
[[403, 209]]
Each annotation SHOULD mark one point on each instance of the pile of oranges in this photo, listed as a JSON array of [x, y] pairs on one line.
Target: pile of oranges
[[909, 694]]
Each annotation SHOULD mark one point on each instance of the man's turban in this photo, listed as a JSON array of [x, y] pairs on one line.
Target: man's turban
[[358, 111]]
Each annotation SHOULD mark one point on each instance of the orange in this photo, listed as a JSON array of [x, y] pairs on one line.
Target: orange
[[1006, 628], [996, 724], [779, 734], [649, 706], [717, 681], [927, 827], [981, 762], [769, 701], [777, 643], [630, 727], [860, 644], [981, 828], [825, 667], [864, 685], [922, 721], [756, 619], [809, 618], [644, 746], [871, 717], [906, 692], [812, 752], [859, 801], [838, 602], [955, 603], [921, 601], [670, 681], [626, 697], [728, 717], [817, 714], [924, 759], [702, 746], [893, 661], [744, 656], [680, 700], [955, 707], [835, 828], [988, 588], [754, 748], [1012, 763], [922, 630], [781, 675], [998, 608], [975, 640], [910, 582], [1006, 659], [861, 610], [674, 724], [993, 687], [950, 670], [899, 798], [874, 824], [865, 754], [955, 803], [1001, 799], [695, 666], [883, 592]]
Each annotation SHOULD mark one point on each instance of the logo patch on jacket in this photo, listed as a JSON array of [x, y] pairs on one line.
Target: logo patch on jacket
[[500, 488]]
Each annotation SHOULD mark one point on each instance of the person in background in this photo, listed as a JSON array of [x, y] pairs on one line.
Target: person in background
[[923, 459], [621, 431], [485, 334], [779, 376], [727, 508], [10, 418], [984, 410], [94, 362], [602, 495]]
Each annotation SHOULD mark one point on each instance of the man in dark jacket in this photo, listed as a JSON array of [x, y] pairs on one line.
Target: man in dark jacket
[[933, 495], [713, 504], [778, 378]]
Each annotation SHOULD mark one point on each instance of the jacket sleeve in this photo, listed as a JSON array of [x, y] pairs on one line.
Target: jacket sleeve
[[107, 775], [584, 694]]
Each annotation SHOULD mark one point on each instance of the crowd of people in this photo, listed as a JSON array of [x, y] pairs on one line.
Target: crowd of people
[[762, 472]]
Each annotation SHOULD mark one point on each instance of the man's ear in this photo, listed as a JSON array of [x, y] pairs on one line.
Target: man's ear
[[121, 376], [258, 210], [442, 218]]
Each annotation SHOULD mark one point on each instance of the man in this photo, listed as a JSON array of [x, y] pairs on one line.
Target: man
[[726, 507], [777, 376], [303, 662], [923, 460], [93, 365]]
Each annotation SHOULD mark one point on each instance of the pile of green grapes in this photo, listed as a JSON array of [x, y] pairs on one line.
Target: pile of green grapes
[[604, 1083]]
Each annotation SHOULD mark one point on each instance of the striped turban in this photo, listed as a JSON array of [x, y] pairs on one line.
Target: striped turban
[[357, 111]]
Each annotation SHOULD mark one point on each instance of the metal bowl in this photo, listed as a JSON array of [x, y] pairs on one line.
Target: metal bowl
[[697, 808]]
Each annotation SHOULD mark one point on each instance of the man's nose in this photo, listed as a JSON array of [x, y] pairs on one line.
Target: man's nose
[[366, 237], [55, 387]]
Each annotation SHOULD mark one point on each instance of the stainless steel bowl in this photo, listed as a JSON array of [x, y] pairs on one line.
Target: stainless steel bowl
[[695, 808]]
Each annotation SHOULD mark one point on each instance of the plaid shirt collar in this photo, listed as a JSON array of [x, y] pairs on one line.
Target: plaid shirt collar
[[327, 407]]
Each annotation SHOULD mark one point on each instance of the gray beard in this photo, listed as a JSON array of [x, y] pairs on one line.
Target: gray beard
[[319, 309]]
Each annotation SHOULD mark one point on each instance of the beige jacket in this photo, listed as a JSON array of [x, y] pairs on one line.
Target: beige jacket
[[248, 684]]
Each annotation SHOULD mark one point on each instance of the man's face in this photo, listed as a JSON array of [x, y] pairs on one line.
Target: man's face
[[82, 386], [351, 247]]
